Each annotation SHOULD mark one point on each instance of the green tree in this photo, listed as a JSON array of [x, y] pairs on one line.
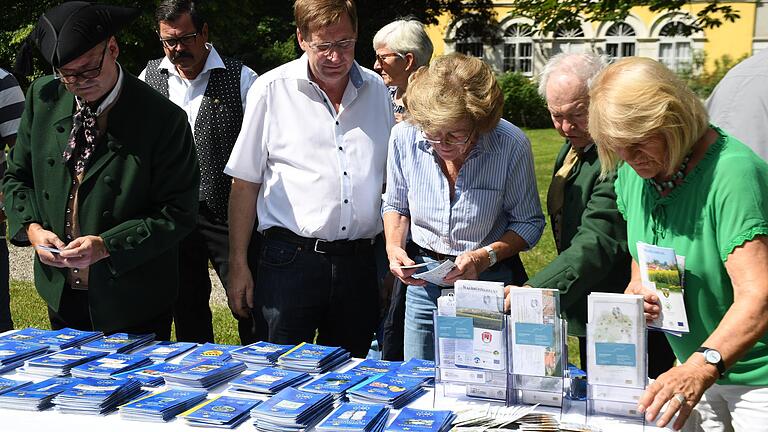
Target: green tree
[[259, 32], [550, 15]]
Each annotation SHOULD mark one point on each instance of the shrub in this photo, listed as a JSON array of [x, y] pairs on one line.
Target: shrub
[[523, 105], [703, 81]]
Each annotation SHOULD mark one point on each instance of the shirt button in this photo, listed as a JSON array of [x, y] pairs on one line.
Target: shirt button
[[78, 281], [346, 201], [343, 228], [345, 173], [337, 123], [69, 210], [69, 237], [71, 196], [68, 224], [75, 270], [341, 148]]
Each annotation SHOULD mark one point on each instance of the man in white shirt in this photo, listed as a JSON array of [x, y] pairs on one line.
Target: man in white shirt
[[310, 160], [212, 91]]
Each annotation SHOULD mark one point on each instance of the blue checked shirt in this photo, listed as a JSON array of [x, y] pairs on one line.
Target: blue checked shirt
[[495, 190]]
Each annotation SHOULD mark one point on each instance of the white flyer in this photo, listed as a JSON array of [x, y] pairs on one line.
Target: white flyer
[[616, 351], [661, 270], [483, 303], [436, 275], [535, 331]]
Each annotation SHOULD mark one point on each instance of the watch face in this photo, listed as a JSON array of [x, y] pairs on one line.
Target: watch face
[[712, 356]]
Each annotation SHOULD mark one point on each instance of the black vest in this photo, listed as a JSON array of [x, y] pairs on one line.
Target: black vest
[[217, 125]]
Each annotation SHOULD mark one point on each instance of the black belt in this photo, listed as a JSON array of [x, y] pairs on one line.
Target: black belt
[[413, 249], [336, 247]]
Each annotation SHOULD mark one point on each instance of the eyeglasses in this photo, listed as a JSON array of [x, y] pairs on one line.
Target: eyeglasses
[[86, 74], [185, 40], [447, 139], [326, 47], [382, 57]]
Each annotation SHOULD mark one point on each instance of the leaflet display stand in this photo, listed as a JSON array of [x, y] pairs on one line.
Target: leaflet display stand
[[480, 375], [537, 348], [617, 357]]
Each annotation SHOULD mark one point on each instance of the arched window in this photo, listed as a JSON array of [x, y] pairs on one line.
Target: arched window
[[675, 47], [568, 40], [518, 49], [620, 40]]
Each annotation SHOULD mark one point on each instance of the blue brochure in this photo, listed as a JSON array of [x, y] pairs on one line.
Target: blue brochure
[[208, 351], [268, 380], [313, 358], [68, 337], [222, 411], [260, 353], [152, 375], [375, 367], [165, 350], [356, 417], [110, 365], [410, 420], [7, 385], [418, 368], [13, 353], [334, 383], [161, 406], [96, 395], [60, 363], [36, 396], [206, 374], [29, 334], [119, 342], [389, 389]]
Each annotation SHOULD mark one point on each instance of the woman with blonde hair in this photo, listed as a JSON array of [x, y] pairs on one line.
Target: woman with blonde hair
[[687, 185], [460, 179]]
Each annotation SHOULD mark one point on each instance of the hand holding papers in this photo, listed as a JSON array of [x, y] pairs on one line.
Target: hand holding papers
[[436, 275]]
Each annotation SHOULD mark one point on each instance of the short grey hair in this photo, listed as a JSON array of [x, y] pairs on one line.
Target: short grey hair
[[406, 36], [584, 66]]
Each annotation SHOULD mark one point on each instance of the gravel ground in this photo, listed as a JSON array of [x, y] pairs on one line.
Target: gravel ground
[[21, 260]]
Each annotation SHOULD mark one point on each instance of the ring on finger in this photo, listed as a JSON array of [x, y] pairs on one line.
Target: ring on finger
[[680, 398]]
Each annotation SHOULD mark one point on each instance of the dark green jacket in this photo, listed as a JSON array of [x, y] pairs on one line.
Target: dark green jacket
[[139, 194], [593, 254]]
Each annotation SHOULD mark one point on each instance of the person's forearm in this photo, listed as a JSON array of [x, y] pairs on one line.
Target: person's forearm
[[508, 245], [242, 214], [396, 229]]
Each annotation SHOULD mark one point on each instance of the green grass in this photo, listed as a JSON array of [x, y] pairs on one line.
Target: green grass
[[29, 310]]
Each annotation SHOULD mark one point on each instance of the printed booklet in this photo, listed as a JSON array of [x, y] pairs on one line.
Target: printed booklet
[[662, 271]]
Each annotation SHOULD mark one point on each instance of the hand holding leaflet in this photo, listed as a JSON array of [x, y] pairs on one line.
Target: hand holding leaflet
[[437, 274]]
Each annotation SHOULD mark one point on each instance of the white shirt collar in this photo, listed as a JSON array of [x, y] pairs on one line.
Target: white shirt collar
[[112, 96], [300, 71], [213, 61]]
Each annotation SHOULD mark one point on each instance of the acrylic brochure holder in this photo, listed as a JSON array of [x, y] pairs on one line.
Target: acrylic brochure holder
[[617, 371], [463, 369], [538, 351]]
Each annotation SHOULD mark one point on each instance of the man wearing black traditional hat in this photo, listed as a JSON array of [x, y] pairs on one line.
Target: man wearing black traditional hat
[[102, 181], [212, 90]]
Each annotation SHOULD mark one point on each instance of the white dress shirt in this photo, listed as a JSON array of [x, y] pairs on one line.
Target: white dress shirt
[[188, 94], [321, 171]]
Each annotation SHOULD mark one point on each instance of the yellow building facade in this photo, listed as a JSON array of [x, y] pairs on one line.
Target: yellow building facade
[[642, 33]]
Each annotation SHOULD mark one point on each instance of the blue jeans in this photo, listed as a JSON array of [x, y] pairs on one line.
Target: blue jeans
[[305, 294], [421, 302]]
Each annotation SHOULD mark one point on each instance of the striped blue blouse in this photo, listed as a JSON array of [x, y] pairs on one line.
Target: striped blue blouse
[[495, 190]]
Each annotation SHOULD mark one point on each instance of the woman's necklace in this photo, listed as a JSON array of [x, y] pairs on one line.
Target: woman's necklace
[[676, 177]]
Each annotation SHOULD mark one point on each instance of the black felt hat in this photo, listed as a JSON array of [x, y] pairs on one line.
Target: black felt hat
[[67, 31]]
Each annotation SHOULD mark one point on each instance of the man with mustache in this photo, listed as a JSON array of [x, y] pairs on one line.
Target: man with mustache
[[212, 90], [102, 180]]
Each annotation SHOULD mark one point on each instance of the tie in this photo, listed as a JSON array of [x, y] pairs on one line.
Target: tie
[[82, 138], [556, 193]]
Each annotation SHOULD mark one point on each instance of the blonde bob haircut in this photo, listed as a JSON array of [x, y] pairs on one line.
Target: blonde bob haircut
[[637, 98], [311, 15], [452, 89]]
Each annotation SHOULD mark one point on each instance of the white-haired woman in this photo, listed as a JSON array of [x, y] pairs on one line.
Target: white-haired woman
[[401, 47]]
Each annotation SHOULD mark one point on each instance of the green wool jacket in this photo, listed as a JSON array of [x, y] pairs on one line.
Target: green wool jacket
[[139, 193], [593, 255]]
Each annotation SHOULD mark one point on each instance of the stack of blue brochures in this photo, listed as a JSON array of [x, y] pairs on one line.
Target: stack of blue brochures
[[162, 406], [206, 374], [312, 358], [418, 368], [35, 397], [13, 354], [7, 385], [165, 350], [59, 363], [268, 381], [260, 354], [67, 338], [110, 365], [291, 410], [29, 334], [375, 367], [388, 389], [208, 351], [221, 411], [152, 375], [353, 417], [97, 395], [119, 342], [411, 420], [335, 383]]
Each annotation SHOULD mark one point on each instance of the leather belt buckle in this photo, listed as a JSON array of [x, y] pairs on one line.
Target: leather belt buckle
[[318, 242]]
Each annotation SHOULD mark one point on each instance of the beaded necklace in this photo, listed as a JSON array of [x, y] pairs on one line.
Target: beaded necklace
[[672, 182]]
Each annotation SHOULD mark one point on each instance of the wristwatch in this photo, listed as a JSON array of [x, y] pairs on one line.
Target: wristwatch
[[713, 357], [491, 255]]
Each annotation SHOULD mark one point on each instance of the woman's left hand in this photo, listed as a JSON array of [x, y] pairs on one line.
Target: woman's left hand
[[469, 265], [682, 386]]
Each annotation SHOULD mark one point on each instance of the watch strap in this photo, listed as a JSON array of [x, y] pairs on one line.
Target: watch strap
[[720, 365], [491, 255]]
